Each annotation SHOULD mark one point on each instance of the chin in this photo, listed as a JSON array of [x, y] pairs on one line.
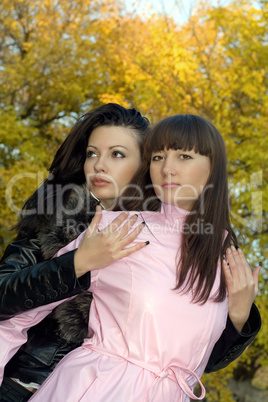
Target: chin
[[102, 194], [169, 201]]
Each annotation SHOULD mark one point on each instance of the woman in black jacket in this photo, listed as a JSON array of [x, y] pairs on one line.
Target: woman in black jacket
[[30, 277]]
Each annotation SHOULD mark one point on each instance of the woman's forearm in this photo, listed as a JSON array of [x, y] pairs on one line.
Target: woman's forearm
[[27, 282], [232, 343]]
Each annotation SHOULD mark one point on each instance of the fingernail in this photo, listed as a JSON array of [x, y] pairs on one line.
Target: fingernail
[[147, 242], [228, 250], [136, 215], [224, 259], [233, 247], [260, 263], [237, 247], [143, 223]]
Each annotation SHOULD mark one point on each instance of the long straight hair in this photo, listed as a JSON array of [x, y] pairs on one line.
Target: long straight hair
[[67, 168], [200, 252]]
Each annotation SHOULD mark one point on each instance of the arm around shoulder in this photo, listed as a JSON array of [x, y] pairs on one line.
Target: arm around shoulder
[[232, 343], [26, 281]]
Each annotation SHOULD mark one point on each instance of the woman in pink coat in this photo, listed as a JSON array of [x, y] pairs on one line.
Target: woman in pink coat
[[157, 313]]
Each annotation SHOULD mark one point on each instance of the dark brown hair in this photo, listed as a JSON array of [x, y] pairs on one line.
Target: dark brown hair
[[200, 254], [68, 164], [67, 168]]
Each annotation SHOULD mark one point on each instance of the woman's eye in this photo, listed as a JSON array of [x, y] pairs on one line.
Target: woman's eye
[[118, 154], [91, 154], [185, 156], [157, 158]]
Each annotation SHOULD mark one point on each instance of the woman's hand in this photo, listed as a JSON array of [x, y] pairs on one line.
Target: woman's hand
[[100, 248], [242, 285]]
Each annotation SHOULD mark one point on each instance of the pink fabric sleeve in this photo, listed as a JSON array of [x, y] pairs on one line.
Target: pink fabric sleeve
[[13, 332], [71, 246]]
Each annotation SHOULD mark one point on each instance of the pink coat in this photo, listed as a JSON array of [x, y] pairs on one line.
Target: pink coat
[[150, 343]]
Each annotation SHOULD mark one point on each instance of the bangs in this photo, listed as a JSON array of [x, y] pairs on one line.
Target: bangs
[[185, 132]]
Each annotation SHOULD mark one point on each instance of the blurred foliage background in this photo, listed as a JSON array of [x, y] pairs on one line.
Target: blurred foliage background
[[60, 58]]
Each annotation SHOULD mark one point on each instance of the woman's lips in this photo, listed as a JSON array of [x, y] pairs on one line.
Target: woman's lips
[[99, 182], [170, 185]]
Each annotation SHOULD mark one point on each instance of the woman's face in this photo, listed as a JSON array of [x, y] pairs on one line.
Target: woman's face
[[178, 176], [113, 157]]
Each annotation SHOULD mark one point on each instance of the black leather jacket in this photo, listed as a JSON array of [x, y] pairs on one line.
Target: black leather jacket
[[27, 282]]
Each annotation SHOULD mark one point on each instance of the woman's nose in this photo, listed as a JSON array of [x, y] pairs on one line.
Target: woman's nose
[[100, 165], [168, 169]]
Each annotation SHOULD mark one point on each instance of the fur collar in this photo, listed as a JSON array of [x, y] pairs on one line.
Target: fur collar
[[70, 219]]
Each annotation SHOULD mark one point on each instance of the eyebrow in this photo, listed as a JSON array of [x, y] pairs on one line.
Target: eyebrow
[[113, 146]]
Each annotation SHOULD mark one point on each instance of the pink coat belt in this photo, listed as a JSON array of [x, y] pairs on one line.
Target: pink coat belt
[[171, 372]]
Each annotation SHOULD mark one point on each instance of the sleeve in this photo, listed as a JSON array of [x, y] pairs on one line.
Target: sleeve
[[13, 332], [26, 281], [232, 343]]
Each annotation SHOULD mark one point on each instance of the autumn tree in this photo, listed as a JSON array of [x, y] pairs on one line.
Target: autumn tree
[[49, 74], [59, 59]]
